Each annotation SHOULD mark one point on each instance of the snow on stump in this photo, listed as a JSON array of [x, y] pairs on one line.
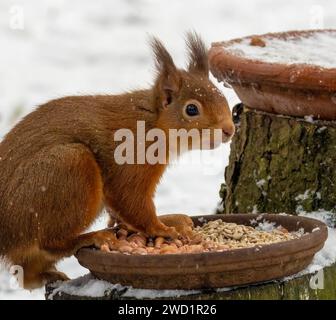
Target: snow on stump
[[321, 285]]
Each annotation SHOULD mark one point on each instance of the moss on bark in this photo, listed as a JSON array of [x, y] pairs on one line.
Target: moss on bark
[[280, 164]]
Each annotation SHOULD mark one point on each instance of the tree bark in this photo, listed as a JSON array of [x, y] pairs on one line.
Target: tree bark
[[280, 164], [299, 288]]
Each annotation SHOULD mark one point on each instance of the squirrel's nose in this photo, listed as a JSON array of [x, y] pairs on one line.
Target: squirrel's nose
[[229, 129]]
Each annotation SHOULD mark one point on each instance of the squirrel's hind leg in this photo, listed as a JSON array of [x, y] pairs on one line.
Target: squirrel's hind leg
[[38, 267], [34, 279], [57, 194]]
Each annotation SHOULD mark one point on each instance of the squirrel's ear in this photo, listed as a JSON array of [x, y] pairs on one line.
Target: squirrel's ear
[[198, 55], [168, 79]]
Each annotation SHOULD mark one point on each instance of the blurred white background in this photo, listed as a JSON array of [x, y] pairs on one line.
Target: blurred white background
[[52, 48]]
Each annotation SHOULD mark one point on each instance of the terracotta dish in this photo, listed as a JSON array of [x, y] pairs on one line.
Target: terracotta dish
[[298, 87], [213, 269]]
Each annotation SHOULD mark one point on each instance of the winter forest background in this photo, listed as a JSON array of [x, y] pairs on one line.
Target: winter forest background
[[52, 48]]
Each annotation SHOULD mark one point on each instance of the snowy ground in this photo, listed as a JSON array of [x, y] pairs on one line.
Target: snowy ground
[[83, 46]]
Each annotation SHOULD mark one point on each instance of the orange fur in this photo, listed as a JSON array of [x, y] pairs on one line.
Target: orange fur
[[57, 168]]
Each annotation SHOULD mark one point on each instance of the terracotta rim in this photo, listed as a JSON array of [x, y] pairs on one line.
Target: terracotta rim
[[226, 64], [309, 240], [212, 269]]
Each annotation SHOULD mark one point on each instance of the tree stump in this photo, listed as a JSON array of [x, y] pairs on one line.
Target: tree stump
[[280, 164], [304, 287]]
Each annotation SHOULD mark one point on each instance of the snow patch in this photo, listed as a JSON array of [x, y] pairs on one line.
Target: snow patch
[[327, 255], [265, 226], [303, 196], [309, 118], [319, 130], [88, 286], [318, 49], [260, 183]]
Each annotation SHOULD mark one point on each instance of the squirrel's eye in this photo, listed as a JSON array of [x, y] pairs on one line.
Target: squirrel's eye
[[191, 110]]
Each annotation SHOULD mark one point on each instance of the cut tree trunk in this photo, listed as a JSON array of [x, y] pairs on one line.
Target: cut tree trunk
[[318, 286], [280, 164]]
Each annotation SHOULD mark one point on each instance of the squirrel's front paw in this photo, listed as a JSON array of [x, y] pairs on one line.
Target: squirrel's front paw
[[182, 223], [97, 239], [162, 230]]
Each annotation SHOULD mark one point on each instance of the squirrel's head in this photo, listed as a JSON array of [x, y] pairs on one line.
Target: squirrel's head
[[187, 99]]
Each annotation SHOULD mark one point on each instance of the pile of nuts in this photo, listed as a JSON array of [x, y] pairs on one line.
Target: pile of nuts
[[138, 243], [214, 235], [240, 236]]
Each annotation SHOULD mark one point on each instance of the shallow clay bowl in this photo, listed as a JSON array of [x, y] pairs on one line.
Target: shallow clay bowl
[[212, 269], [288, 89]]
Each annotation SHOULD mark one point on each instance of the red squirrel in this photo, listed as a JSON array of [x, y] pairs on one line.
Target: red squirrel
[[58, 172]]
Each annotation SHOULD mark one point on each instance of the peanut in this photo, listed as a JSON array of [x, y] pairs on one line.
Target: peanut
[[140, 251], [170, 249], [125, 249], [158, 242], [105, 247], [178, 243], [137, 239], [195, 248], [212, 236], [151, 249]]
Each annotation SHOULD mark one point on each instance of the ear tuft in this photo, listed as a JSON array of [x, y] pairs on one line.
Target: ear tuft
[[168, 76], [198, 54], [163, 60]]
